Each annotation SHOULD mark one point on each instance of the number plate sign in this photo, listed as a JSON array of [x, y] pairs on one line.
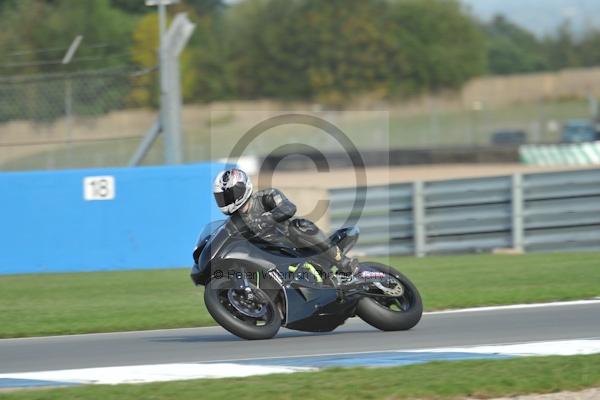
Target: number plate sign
[[99, 188]]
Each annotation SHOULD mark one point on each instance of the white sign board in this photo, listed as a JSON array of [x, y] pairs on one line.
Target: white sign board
[[99, 188], [151, 3]]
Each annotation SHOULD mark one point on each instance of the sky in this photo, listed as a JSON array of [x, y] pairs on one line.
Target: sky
[[541, 16]]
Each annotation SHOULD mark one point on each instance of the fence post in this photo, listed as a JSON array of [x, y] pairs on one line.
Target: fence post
[[172, 44], [419, 219], [517, 213]]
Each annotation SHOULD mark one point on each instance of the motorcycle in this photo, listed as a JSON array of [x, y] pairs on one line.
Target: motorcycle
[[253, 287]]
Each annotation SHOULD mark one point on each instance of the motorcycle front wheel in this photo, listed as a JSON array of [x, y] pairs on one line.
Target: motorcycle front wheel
[[389, 313], [248, 313]]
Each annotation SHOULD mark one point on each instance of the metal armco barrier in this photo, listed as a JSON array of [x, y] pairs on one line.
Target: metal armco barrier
[[530, 212]]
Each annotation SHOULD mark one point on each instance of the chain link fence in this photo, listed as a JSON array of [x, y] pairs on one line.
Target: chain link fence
[[98, 118], [74, 120]]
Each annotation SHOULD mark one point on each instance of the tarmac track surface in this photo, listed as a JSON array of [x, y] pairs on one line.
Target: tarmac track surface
[[445, 329]]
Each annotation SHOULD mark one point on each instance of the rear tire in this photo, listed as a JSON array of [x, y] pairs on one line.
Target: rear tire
[[219, 307], [378, 314]]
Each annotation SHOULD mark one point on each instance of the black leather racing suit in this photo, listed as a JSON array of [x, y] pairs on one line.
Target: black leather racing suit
[[269, 216]]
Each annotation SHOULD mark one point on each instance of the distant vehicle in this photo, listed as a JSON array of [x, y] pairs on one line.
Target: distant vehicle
[[509, 138], [580, 131]]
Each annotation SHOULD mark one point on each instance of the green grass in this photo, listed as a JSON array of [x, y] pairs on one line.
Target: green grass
[[47, 304], [467, 281], [438, 380]]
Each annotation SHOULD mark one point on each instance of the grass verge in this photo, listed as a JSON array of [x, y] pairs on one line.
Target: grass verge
[[50, 304], [437, 380], [471, 281]]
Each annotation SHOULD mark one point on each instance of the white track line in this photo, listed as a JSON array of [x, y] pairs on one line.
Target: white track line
[[354, 353], [184, 371], [455, 311], [517, 307], [543, 348], [152, 373]]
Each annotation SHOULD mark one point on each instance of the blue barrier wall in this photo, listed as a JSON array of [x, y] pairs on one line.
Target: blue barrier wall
[[152, 222]]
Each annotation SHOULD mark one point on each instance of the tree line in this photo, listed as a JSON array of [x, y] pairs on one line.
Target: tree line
[[327, 51]]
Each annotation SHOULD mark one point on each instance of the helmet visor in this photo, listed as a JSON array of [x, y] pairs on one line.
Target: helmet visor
[[230, 195]]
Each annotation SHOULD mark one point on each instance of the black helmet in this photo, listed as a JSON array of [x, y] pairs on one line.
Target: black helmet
[[232, 188]]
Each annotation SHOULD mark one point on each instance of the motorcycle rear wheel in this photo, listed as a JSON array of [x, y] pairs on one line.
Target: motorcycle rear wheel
[[251, 322], [391, 313]]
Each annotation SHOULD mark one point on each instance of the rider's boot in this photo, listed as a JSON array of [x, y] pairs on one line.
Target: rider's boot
[[346, 266], [349, 265]]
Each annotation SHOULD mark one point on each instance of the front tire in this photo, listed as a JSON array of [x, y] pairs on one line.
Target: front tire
[[218, 297], [391, 313]]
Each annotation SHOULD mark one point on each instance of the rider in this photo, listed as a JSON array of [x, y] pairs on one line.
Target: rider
[[265, 210]]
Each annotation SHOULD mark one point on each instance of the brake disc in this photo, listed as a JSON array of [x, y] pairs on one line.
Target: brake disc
[[396, 291], [247, 304]]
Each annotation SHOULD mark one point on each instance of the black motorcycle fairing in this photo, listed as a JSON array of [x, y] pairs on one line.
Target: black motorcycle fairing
[[226, 240], [225, 246], [303, 303], [300, 302], [327, 318], [209, 230], [198, 249], [197, 277], [212, 238], [248, 252], [345, 238]]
